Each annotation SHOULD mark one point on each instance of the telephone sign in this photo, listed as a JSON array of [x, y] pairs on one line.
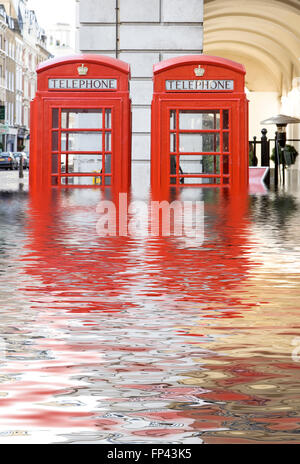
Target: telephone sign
[[199, 85], [82, 84]]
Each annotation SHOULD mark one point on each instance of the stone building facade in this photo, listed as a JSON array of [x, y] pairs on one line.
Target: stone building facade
[[141, 33], [22, 48], [3, 29]]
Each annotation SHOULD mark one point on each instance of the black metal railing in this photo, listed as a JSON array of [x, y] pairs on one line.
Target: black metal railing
[[265, 151]]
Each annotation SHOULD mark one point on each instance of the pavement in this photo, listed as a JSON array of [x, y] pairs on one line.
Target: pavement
[[10, 182]]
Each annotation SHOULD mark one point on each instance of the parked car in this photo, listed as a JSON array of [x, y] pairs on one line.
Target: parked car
[[8, 161], [21, 155]]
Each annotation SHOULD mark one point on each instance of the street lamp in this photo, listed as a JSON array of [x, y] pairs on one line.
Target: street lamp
[[281, 122]]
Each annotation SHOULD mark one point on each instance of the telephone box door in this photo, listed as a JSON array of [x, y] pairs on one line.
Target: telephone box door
[[81, 123], [84, 140], [199, 131], [199, 149]]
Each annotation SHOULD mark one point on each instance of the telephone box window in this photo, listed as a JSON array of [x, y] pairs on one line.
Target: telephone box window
[[81, 119], [197, 143], [55, 121], [107, 141], [201, 120], [226, 142], [108, 119], [173, 120], [55, 164], [191, 164], [55, 141], [173, 143], [81, 141], [226, 119], [225, 164]]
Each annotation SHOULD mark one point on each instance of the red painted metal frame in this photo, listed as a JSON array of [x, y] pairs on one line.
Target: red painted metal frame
[[103, 152], [164, 101], [117, 100], [181, 154]]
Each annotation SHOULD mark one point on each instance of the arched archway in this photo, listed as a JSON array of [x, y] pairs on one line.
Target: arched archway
[[264, 35]]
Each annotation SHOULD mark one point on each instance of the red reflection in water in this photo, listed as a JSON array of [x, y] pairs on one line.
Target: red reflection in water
[[67, 267], [76, 272]]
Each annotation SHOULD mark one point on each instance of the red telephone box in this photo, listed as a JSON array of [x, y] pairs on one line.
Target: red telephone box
[[81, 123], [199, 123]]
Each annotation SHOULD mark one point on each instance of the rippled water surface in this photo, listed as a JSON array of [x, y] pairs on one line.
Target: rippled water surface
[[149, 339]]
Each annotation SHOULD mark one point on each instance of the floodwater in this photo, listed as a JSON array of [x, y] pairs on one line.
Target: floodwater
[[149, 339]]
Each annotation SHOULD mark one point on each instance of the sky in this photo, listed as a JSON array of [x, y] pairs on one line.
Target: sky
[[49, 12]]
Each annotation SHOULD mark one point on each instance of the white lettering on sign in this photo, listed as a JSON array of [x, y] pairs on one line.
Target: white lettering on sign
[[200, 85], [82, 84]]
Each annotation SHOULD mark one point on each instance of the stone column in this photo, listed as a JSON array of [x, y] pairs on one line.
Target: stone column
[[140, 32]]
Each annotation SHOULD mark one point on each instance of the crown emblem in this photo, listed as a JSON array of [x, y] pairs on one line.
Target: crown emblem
[[82, 70], [199, 71]]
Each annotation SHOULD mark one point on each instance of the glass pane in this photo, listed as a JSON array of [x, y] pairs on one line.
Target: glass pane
[[201, 180], [173, 120], [81, 119], [226, 142], [225, 180], [54, 164], [55, 114], [107, 180], [67, 163], [54, 180], [200, 164], [108, 141], [63, 163], [199, 120], [81, 141], [173, 170], [66, 141], [87, 163], [226, 119], [226, 164], [173, 165], [172, 143], [197, 143], [107, 164], [108, 119], [82, 180], [55, 141]]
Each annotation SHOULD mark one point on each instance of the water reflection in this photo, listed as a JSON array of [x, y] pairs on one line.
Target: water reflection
[[149, 339]]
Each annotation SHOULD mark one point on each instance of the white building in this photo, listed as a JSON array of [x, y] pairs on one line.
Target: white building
[[140, 33], [61, 39]]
